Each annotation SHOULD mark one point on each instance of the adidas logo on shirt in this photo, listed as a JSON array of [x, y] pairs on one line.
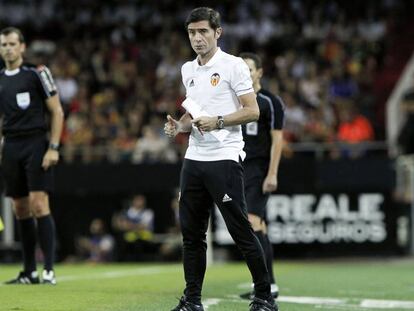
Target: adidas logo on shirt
[[226, 198], [191, 83]]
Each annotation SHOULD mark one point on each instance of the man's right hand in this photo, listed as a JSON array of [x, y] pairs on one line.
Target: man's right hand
[[171, 128]]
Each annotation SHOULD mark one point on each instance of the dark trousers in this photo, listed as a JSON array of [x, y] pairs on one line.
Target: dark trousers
[[220, 182]]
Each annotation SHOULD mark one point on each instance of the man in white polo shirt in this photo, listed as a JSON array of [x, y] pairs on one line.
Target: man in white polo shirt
[[220, 97]]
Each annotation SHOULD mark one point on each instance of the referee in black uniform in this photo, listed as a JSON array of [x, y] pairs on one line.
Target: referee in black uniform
[[27, 93], [264, 140]]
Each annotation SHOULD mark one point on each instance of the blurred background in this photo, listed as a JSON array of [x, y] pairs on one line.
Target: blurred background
[[344, 69]]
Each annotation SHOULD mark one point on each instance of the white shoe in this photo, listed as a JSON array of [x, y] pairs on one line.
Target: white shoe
[[48, 277], [274, 290]]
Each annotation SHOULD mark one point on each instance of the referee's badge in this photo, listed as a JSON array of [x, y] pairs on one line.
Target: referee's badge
[[215, 79], [252, 128], [23, 100]]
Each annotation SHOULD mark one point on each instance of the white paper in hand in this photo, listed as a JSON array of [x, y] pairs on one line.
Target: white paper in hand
[[196, 111], [193, 108]]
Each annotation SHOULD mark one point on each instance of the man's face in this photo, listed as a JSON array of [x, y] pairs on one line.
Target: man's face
[[139, 202], [255, 74], [11, 49], [202, 37]]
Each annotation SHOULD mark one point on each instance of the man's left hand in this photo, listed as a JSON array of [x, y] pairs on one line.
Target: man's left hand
[[205, 124], [50, 158], [269, 184]]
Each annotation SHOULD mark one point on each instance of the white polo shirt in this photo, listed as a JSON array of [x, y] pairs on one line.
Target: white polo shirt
[[215, 87]]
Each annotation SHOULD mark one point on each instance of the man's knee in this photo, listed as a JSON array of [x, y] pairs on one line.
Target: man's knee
[[21, 208], [256, 222], [39, 203], [195, 243], [192, 236]]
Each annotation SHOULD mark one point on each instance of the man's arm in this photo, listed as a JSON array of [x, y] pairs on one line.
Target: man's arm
[[56, 112], [173, 127], [270, 182], [249, 112], [51, 156]]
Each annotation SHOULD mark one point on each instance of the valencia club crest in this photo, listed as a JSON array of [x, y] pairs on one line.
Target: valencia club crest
[[215, 79]]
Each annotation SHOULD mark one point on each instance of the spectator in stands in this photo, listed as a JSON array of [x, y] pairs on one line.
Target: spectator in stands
[[171, 247], [78, 138], [153, 146], [317, 127], [310, 86], [342, 85], [135, 228], [406, 136], [353, 128], [66, 83], [121, 147], [295, 118], [98, 246]]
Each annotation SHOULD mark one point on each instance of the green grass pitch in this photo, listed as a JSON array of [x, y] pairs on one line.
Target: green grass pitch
[[370, 285]]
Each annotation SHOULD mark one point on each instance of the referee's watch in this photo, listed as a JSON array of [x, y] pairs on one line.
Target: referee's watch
[[220, 122], [54, 147]]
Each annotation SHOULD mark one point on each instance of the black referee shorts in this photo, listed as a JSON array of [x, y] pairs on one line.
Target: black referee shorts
[[255, 172], [22, 165]]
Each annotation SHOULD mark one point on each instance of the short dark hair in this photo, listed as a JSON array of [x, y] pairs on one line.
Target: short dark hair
[[254, 57], [8, 30], [204, 14]]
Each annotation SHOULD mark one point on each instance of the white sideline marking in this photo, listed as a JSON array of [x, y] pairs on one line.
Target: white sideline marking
[[245, 285], [362, 303], [110, 274], [312, 300], [210, 302], [387, 304]]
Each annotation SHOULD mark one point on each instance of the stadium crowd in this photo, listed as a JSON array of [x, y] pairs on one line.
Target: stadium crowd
[[117, 66]]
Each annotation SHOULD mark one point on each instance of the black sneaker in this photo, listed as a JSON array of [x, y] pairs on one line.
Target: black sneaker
[[185, 305], [262, 305], [247, 296], [25, 278]]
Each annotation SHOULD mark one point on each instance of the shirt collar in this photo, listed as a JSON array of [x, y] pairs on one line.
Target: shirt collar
[[12, 72], [212, 60]]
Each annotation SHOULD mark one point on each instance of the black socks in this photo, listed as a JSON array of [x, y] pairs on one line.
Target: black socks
[[46, 231], [27, 229]]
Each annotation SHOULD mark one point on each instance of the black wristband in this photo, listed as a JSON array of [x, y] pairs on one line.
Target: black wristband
[[54, 147]]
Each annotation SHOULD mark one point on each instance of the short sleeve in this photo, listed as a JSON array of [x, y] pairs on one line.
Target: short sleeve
[[184, 77], [241, 81], [47, 84], [278, 113]]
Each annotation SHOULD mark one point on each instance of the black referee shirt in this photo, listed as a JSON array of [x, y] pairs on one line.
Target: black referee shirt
[[22, 99], [257, 134]]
